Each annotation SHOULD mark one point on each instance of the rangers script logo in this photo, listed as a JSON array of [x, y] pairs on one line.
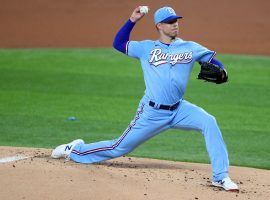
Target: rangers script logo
[[159, 58]]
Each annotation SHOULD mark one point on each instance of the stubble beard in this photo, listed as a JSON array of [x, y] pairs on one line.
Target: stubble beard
[[173, 36]]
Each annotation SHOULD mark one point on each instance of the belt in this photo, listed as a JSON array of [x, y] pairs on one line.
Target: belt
[[164, 107]]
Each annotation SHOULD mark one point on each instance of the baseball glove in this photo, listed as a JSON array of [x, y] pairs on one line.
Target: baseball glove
[[212, 73]]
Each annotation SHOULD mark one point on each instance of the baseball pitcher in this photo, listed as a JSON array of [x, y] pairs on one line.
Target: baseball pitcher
[[166, 63]]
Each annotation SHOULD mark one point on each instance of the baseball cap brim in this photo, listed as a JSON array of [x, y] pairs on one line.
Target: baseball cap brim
[[171, 18]]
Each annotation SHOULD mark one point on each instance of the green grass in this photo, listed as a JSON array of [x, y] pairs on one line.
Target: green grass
[[40, 89]]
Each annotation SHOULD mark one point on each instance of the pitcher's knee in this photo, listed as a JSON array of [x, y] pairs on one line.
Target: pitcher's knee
[[117, 152], [209, 121]]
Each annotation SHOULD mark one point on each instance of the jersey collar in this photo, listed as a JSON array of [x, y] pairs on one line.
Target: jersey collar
[[159, 43]]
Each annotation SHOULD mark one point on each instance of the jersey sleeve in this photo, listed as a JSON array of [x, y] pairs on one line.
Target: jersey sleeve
[[203, 54], [134, 49]]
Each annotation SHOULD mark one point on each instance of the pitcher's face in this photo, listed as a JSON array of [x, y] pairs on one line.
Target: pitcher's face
[[169, 29]]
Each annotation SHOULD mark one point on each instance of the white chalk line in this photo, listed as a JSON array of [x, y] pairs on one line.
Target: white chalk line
[[13, 158]]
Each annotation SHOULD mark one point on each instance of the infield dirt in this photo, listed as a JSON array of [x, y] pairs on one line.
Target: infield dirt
[[125, 178]]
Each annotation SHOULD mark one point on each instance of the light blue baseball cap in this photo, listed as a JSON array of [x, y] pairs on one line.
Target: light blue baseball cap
[[165, 14]]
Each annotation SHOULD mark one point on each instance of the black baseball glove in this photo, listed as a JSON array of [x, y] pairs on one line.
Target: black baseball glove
[[212, 73]]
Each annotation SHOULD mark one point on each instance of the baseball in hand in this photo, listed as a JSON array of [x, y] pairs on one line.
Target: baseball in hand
[[144, 9]]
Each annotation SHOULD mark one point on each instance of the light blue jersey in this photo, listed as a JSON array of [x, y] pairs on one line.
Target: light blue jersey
[[167, 68]]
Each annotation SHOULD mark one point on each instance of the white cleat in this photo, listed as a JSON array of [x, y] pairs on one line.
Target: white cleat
[[227, 184], [64, 150]]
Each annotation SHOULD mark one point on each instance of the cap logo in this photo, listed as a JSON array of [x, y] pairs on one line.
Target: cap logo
[[171, 11]]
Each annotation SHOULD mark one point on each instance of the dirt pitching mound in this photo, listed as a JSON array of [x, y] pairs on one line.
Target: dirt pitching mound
[[40, 177]]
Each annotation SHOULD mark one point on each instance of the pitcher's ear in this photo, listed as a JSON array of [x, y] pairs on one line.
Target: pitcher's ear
[[158, 26]]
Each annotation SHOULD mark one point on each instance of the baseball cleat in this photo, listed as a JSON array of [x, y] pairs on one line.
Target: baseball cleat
[[227, 184], [63, 151]]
